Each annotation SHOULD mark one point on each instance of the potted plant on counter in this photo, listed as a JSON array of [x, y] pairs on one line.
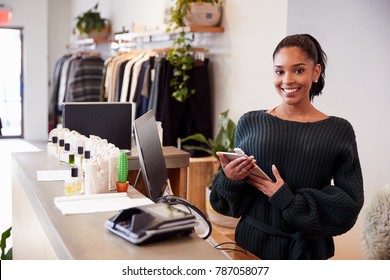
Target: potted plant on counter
[[223, 142], [122, 183]]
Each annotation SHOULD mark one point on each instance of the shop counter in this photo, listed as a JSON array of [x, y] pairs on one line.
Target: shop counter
[[41, 231]]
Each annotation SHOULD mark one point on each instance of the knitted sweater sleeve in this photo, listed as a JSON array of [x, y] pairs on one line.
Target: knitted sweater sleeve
[[329, 211], [230, 198]]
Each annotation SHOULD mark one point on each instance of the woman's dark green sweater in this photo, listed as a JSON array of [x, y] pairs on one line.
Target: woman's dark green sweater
[[299, 220]]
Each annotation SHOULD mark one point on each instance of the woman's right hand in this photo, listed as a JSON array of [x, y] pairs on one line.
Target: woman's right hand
[[237, 169]]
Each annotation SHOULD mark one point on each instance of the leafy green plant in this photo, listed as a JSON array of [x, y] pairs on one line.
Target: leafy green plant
[[123, 169], [182, 62], [3, 244], [223, 142], [180, 56], [90, 20]]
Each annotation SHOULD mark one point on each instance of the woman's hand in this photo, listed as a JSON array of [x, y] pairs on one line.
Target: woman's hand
[[237, 169], [265, 186]]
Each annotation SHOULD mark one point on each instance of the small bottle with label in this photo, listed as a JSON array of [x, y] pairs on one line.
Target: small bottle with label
[[60, 149], [86, 176], [52, 147], [66, 156], [78, 158], [86, 158], [73, 185]]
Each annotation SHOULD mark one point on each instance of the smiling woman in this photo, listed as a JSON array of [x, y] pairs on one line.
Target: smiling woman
[[316, 190], [11, 82]]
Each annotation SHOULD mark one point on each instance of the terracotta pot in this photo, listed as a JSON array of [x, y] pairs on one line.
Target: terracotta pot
[[203, 14], [103, 34], [122, 187]]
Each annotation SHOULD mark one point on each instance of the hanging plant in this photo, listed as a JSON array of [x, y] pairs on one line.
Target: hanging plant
[[182, 62], [180, 56]]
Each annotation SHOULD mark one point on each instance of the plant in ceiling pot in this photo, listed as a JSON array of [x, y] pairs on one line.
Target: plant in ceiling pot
[[223, 142], [122, 183], [187, 13], [90, 24]]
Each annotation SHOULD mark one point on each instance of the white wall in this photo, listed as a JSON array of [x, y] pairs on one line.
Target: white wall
[[355, 35], [60, 28], [241, 57], [33, 18]]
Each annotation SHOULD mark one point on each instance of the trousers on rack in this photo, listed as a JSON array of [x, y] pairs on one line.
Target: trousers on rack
[[181, 119]]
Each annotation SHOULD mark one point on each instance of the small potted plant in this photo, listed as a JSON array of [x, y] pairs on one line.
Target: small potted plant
[[91, 25], [224, 142], [184, 13], [122, 183]]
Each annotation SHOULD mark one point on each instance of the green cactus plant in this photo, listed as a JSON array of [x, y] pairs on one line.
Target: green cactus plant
[[123, 169]]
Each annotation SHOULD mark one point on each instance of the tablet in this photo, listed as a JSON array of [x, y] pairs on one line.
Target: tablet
[[257, 171]]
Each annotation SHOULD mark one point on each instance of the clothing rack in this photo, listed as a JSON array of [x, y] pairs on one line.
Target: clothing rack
[[142, 77]]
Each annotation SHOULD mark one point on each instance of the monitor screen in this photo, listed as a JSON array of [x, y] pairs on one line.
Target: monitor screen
[[108, 120], [150, 155]]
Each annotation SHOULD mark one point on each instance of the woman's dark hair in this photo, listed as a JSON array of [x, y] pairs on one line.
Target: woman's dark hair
[[310, 46]]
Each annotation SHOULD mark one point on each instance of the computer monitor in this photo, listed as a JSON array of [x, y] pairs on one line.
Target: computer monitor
[[108, 120], [150, 155]]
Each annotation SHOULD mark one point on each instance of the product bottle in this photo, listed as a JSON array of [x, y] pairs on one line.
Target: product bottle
[[78, 159], [73, 185], [52, 147], [86, 181], [66, 156], [60, 149], [87, 157]]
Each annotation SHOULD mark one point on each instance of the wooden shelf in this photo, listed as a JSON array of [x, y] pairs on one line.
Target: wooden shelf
[[161, 33], [207, 29]]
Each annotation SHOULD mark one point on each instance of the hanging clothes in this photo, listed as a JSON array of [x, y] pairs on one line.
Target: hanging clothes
[[53, 108], [84, 79], [181, 119], [76, 78], [142, 77]]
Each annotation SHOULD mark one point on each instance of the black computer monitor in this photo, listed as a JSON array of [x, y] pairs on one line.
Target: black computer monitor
[[150, 155], [108, 120]]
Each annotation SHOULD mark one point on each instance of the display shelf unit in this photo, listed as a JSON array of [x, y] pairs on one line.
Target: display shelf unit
[[103, 47], [89, 44], [133, 39]]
